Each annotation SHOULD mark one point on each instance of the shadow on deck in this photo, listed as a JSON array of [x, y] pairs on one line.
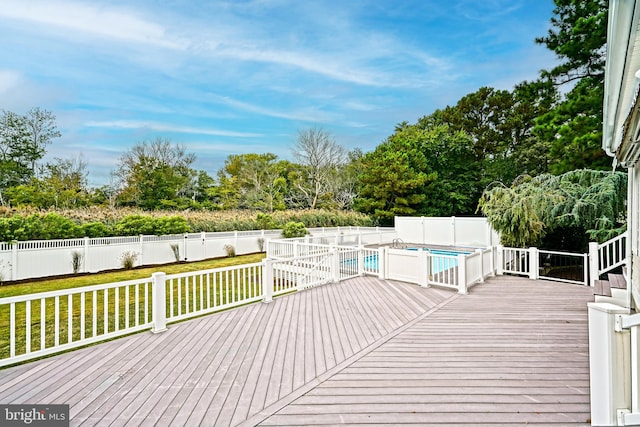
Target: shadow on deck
[[513, 351]]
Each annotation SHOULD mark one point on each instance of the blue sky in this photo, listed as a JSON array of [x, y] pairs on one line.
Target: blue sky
[[243, 76]]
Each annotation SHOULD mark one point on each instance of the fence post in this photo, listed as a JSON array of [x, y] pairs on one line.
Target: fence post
[[159, 303], [594, 263], [335, 265], [141, 246], [481, 258], [382, 261], [609, 374], [534, 263], [184, 245], [453, 230], [462, 275], [14, 260], [360, 260], [499, 260], [85, 257], [267, 280], [423, 271], [492, 262]]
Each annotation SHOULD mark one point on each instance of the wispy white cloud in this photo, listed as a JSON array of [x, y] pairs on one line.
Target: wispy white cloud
[[134, 124], [305, 115], [109, 22], [486, 10], [9, 79]]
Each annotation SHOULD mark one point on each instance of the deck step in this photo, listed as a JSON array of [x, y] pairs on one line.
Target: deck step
[[602, 287], [617, 281]]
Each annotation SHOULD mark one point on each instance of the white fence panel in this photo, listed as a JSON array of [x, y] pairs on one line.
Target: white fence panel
[[474, 265], [446, 231], [403, 265], [99, 258]]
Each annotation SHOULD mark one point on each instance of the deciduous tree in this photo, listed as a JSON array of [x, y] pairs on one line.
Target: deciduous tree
[[155, 171], [320, 156]]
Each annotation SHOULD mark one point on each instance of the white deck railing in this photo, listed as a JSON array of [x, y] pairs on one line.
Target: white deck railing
[[44, 323], [607, 256], [39, 324], [542, 264], [201, 292]]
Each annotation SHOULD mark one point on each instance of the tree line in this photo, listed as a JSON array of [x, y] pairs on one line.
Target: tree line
[[442, 165]]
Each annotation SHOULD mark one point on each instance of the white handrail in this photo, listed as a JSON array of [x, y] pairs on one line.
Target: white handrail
[[607, 256]]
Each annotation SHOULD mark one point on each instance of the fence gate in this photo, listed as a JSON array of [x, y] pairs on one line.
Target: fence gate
[[563, 267]]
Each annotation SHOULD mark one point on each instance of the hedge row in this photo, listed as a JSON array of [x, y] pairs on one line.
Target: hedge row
[[24, 225]]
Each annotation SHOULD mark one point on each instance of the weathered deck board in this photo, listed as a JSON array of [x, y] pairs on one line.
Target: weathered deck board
[[513, 351]]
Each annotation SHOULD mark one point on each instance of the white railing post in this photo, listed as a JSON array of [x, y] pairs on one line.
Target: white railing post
[[360, 260], [382, 260], [492, 262], [534, 263], [481, 260], [462, 275], [159, 303], [499, 260], [423, 271], [594, 263], [608, 351], [267, 280], [335, 265]]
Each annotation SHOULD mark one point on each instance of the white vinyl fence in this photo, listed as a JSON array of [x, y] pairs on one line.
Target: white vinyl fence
[[447, 231], [31, 259]]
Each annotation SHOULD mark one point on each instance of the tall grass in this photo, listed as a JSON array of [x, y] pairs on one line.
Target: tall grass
[[207, 221]]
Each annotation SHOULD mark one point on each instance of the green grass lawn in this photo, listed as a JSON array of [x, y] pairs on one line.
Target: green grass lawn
[[119, 276], [95, 320]]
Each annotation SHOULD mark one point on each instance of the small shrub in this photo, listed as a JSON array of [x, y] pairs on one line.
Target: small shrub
[[76, 261], [175, 248], [265, 221], [260, 244], [229, 250], [128, 259], [171, 225], [294, 229], [95, 229]]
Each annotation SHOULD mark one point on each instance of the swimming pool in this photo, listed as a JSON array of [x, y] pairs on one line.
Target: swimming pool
[[437, 263]]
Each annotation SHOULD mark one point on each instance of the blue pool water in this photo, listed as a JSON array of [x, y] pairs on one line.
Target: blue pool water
[[437, 264]]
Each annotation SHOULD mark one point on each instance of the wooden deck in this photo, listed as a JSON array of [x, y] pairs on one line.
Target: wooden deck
[[364, 351]]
